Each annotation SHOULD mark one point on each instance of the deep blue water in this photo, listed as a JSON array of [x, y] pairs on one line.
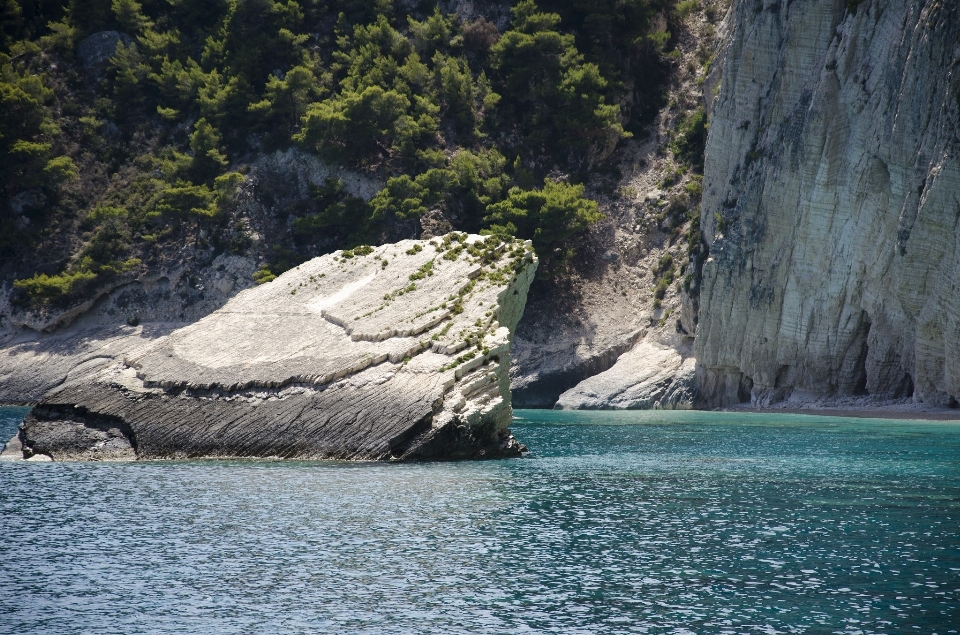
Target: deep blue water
[[652, 522]]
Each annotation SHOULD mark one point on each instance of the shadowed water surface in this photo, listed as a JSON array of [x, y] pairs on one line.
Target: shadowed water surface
[[652, 522]]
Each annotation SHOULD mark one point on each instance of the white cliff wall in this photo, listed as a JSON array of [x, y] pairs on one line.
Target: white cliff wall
[[831, 204]]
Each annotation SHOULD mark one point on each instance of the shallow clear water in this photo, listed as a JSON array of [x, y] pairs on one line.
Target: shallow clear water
[[652, 522]]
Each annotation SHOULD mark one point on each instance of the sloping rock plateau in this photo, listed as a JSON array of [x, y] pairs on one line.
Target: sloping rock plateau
[[396, 352]]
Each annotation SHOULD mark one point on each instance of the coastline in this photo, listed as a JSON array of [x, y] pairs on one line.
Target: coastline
[[861, 412]]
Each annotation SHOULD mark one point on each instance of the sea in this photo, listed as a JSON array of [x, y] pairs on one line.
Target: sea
[[616, 522]]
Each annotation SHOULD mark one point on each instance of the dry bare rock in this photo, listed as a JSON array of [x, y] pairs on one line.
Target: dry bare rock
[[648, 377], [395, 352], [32, 364], [831, 204]]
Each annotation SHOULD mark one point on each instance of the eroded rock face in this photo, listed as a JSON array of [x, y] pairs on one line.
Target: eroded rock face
[[648, 377], [831, 204], [399, 352]]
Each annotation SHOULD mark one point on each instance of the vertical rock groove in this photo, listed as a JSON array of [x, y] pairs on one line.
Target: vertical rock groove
[[831, 201]]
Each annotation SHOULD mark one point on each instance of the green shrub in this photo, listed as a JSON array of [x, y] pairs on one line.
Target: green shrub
[[664, 263], [208, 156], [690, 139], [549, 217], [686, 7], [695, 187], [362, 250], [263, 275], [420, 99], [352, 126], [425, 270], [348, 219], [660, 291], [42, 287], [694, 236], [555, 98], [468, 183], [665, 271], [672, 177], [186, 199], [61, 169]]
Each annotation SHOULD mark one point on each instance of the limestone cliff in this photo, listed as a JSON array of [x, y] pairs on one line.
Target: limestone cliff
[[831, 204], [395, 352]]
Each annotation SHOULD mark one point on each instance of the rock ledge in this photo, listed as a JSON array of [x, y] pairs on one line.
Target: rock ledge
[[388, 353]]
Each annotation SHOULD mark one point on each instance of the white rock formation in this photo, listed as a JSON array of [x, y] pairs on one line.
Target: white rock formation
[[831, 204], [648, 377], [396, 352]]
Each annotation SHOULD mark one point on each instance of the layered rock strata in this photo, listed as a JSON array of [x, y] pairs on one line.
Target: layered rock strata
[[397, 352], [831, 204], [647, 377]]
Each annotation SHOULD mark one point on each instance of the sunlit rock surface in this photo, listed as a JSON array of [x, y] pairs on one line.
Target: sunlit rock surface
[[831, 204], [396, 352], [647, 377]]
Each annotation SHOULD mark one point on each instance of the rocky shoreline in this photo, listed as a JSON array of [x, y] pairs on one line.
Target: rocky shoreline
[[900, 410], [389, 353]]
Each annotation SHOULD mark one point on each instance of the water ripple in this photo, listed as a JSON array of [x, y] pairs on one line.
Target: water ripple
[[617, 523]]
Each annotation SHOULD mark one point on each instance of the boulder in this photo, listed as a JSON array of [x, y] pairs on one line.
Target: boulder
[[395, 352], [96, 49], [648, 377]]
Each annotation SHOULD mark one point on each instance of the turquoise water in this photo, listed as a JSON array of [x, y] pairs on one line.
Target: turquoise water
[[652, 522]]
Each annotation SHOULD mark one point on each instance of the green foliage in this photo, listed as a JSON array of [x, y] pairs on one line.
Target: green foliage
[[349, 219], [128, 161], [690, 139], [664, 272], [694, 238], [362, 250], [620, 37], [549, 217], [263, 275], [686, 7], [186, 199], [60, 169], [27, 127], [395, 92], [91, 15], [465, 187], [355, 125], [129, 14], [208, 156], [285, 99], [182, 200], [556, 99], [41, 288], [665, 263], [403, 197], [425, 270]]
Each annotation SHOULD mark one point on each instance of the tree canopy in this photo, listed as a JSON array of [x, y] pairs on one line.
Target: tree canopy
[[453, 115]]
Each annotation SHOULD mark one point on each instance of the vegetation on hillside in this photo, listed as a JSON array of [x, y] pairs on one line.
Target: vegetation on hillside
[[111, 166]]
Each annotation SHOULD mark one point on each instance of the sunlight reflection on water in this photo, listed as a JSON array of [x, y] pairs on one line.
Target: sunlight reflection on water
[[616, 523]]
